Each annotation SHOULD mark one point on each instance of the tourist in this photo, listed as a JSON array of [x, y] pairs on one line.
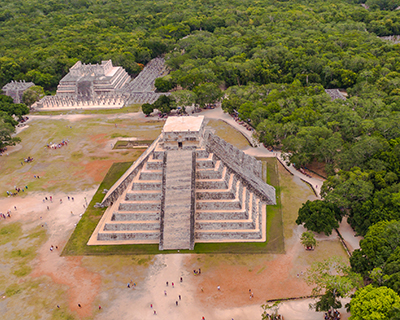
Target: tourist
[[79, 305], [165, 292], [99, 307], [219, 288], [155, 312], [181, 279], [167, 283], [176, 303], [151, 306], [180, 298], [199, 271], [172, 285], [128, 285]]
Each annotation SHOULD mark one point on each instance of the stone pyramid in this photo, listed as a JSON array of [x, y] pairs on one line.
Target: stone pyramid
[[189, 186]]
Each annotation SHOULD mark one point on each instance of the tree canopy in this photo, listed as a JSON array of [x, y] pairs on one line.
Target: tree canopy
[[319, 216], [373, 303]]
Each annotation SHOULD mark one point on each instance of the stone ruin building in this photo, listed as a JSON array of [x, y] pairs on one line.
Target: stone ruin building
[[104, 86], [189, 186], [15, 89], [335, 94]]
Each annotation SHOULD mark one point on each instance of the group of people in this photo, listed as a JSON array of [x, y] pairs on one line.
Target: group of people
[[5, 216], [197, 273], [29, 159], [332, 315], [10, 193], [52, 145]]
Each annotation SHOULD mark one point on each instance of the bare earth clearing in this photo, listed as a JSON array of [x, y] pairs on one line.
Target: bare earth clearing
[[34, 280]]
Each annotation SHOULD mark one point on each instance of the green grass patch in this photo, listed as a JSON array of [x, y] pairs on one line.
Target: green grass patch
[[119, 135], [128, 109], [229, 133], [22, 271], [76, 245], [10, 232]]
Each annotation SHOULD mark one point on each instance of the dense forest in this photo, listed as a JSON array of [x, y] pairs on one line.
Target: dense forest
[[271, 62]]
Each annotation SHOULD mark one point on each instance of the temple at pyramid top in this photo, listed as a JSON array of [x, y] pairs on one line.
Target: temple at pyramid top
[[189, 186]]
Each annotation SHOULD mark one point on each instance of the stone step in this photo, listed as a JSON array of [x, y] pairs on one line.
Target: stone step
[[218, 205], [204, 163], [154, 165], [146, 185], [135, 216], [158, 155], [228, 235], [143, 196], [123, 235], [202, 154], [222, 215], [211, 184], [208, 174], [139, 225], [140, 206], [151, 175], [225, 225], [214, 194]]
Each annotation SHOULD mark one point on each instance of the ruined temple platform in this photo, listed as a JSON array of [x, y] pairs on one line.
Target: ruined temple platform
[[189, 186]]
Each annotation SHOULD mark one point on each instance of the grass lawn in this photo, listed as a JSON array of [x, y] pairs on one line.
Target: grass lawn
[[77, 242], [128, 109], [228, 133]]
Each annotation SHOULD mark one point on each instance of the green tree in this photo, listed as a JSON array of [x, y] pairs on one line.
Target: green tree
[[308, 240], [373, 303], [32, 95], [6, 131], [163, 85], [379, 255], [207, 93], [164, 104], [147, 108], [319, 216], [333, 279]]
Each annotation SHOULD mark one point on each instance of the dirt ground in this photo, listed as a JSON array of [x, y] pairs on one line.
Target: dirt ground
[[50, 280]]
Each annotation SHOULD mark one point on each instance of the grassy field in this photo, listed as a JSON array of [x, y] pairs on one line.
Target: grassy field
[[27, 297], [77, 242], [228, 133], [86, 158], [128, 109]]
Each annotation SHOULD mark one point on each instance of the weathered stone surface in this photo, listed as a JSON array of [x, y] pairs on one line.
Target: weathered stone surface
[[15, 89]]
